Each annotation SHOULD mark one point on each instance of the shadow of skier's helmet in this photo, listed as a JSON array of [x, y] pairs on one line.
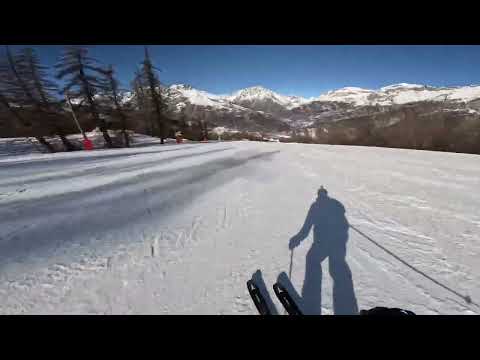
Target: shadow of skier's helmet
[[322, 192]]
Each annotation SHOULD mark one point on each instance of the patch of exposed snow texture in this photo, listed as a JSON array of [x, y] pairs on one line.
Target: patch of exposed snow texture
[[219, 130]]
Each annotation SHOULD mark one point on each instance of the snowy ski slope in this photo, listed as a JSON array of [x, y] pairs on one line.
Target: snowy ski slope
[[179, 229]]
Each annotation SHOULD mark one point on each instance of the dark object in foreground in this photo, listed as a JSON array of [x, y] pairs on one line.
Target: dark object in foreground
[[384, 311], [292, 308], [286, 300], [258, 298]]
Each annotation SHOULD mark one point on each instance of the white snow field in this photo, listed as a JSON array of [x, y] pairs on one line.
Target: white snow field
[[179, 229]]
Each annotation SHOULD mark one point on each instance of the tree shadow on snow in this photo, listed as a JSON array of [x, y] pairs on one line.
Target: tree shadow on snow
[[330, 235]]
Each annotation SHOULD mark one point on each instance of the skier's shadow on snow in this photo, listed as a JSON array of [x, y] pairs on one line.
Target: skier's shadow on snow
[[330, 235]]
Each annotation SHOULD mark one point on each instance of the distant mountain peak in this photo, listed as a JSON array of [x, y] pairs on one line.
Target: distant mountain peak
[[264, 99], [181, 87], [352, 89], [402, 86], [254, 91]]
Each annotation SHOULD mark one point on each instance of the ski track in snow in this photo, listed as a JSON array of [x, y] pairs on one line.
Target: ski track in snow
[[180, 229]]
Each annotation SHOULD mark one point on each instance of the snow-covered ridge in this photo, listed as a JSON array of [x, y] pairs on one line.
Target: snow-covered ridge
[[252, 95], [353, 95], [401, 94], [401, 86], [194, 96], [259, 93], [257, 97]]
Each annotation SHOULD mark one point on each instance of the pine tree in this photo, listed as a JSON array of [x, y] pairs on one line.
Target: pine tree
[[154, 86], [111, 90], [15, 94], [196, 130], [8, 92], [141, 101], [82, 73], [204, 130], [35, 77], [41, 89], [138, 88]]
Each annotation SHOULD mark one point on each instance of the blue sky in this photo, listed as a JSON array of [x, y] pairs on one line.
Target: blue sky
[[292, 70]]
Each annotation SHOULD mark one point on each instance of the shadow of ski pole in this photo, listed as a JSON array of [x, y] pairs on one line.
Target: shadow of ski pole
[[466, 298]]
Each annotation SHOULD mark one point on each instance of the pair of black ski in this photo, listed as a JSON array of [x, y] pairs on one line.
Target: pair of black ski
[[282, 295], [292, 308]]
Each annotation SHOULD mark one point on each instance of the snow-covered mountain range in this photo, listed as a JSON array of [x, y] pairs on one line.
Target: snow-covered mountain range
[[401, 94], [259, 97], [257, 108]]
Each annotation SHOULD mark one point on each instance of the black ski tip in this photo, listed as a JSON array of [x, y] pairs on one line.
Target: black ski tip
[[286, 300], [258, 298]]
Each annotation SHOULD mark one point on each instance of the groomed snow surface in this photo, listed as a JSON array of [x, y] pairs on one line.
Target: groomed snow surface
[[179, 229]]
